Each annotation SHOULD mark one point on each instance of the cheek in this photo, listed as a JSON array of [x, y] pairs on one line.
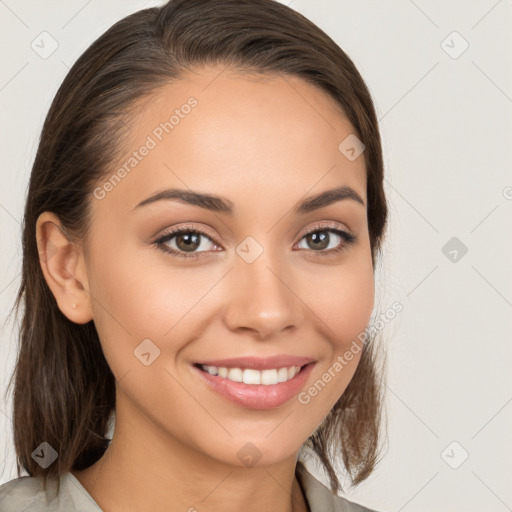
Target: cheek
[[125, 302], [138, 297], [344, 302]]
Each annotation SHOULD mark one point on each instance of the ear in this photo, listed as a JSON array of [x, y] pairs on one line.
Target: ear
[[64, 269]]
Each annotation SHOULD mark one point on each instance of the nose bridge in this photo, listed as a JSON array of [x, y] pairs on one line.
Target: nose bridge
[[261, 294]]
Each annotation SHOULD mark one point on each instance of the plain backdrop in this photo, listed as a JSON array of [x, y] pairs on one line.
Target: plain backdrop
[[440, 76]]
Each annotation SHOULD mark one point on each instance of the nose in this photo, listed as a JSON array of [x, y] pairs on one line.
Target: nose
[[263, 298]]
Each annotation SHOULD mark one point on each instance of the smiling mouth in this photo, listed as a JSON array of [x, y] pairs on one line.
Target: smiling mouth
[[251, 376]]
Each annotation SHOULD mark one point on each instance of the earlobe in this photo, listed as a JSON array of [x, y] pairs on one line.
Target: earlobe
[[63, 268]]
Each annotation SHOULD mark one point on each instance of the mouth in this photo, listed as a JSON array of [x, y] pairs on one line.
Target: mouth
[[251, 376], [252, 388]]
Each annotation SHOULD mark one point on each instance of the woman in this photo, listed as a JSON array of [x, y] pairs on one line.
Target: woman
[[203, 222]]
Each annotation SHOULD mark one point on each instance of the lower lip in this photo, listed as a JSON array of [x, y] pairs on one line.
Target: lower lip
[[257, 396]]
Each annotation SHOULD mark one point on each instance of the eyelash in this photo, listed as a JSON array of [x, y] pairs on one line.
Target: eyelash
[[159, 243]]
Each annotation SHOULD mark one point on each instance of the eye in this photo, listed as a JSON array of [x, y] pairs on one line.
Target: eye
[[185, 242], [327, 240]]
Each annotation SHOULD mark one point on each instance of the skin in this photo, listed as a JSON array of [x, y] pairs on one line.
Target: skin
[[265, 143]]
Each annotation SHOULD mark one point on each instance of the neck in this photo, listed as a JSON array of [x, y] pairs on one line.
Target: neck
[[158, 472]]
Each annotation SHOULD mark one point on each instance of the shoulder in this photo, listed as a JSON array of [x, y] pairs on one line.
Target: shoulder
[[28, 494], [321, 499]]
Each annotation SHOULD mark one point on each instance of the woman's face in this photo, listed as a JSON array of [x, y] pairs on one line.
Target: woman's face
[[252, 284]]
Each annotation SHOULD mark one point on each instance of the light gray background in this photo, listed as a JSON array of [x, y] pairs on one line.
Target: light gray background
[[446, 126]]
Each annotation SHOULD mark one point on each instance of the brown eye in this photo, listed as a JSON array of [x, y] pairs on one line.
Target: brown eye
[[192, 243], [319, 240], [327, 240], [188, 242], [185, 243]]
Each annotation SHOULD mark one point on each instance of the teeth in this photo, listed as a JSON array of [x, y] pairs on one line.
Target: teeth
[[269, 377], [250, 376], [235, 374], [282, 375]]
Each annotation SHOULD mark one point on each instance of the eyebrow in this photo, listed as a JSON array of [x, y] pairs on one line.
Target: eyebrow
[[224, 205]]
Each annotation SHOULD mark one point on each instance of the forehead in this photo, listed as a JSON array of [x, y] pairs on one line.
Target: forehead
[[237, 135]]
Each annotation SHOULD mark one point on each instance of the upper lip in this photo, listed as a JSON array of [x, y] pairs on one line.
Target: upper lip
[[259, 363]]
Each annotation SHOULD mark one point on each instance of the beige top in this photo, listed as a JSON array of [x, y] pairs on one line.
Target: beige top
[[26, 494]]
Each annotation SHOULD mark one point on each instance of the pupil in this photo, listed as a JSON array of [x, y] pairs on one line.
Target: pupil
[[321, 238], [188, 242]]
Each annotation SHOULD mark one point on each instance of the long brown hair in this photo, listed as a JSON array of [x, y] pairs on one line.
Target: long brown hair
[[64, 390]]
